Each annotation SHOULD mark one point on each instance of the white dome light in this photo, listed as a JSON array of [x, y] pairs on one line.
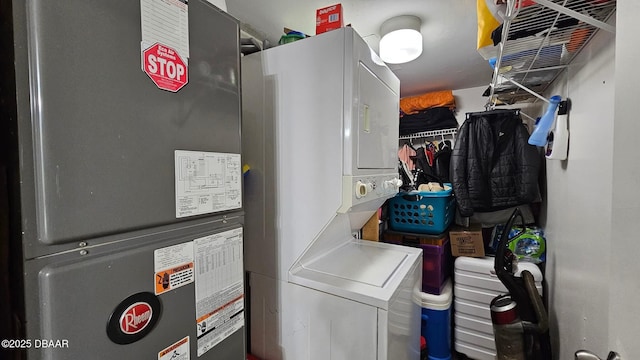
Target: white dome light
[[401, 39]]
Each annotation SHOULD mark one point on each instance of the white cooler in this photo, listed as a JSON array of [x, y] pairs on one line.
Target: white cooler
[[476, 284]]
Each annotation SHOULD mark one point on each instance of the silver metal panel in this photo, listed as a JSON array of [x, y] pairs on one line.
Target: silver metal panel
[[72, 296], [103, 134]]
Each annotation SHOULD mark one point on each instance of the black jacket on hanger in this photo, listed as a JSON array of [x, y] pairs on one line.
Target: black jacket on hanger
[[492, 165]]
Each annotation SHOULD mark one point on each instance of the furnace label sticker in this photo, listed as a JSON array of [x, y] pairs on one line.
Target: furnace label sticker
[[165, 22], [177, 351], [219, 287], [173, 267], [207, 182]]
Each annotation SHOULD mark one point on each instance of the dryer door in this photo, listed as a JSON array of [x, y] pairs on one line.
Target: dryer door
[[377, 122]]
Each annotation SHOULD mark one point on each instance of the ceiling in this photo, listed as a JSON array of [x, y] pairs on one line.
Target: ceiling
[[449, 59]]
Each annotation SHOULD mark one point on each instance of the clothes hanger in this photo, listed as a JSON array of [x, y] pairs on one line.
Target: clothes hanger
[[493, 111], [443, 144], [411, 145]]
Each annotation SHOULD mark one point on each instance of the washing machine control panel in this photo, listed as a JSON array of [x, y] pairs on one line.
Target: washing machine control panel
[[360, 189]]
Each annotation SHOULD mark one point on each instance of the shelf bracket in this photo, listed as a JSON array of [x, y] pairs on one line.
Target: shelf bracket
[[528, 116], [582, 17], [526, 89]]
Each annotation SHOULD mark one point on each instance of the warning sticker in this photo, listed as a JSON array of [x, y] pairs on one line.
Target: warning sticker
[[219, 287], [165, 22], [173, 267], [165, 67], [207, 182], [177, 351]]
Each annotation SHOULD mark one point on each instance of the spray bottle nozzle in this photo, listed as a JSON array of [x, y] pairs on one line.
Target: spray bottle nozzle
[[539, 135]]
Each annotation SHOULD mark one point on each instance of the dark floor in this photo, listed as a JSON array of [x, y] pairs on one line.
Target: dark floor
[[456, 356]]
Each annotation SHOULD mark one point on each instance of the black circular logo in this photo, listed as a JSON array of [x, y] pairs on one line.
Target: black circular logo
[[134, 318]]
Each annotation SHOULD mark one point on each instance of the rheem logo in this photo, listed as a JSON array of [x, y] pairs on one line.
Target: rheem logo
[[136, 318]]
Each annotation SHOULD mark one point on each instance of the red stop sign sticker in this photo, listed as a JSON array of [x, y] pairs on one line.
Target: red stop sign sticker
[[165, 67]]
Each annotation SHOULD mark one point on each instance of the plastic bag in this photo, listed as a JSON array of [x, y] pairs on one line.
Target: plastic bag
[[490, 18], [528, 245]]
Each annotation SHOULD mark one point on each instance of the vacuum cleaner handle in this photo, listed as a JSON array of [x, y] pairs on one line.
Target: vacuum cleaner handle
[[504, 271], [536, 301], [535, 322], [500, 265]]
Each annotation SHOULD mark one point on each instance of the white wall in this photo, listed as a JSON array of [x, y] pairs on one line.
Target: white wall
[[624, 308], [602, 267], [469, 100], [578, 205]]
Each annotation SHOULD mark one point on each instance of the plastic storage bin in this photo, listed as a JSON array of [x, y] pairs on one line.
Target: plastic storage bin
[[425, 212], [475, 286], [436, 257], [436, 321]]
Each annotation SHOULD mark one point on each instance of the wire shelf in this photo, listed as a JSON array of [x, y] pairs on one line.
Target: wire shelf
[[542, 39], [432, 133]]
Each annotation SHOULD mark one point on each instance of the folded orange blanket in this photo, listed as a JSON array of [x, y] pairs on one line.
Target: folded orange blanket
[[413, 104]]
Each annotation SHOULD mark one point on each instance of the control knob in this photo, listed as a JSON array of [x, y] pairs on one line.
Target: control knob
[[393, 183], [362, 189]]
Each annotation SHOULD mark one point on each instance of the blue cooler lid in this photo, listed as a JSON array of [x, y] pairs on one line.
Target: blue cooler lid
[[435, 302]]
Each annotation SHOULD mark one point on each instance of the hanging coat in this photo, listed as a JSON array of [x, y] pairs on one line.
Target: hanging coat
[[492, 165]]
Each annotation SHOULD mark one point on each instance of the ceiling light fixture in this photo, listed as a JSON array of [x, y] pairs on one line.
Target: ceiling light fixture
[[401, 40]]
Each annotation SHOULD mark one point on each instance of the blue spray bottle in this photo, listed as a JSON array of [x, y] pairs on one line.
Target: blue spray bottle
[[539, 135]]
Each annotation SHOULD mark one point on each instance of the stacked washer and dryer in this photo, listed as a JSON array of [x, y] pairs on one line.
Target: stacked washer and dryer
[[320, 132]]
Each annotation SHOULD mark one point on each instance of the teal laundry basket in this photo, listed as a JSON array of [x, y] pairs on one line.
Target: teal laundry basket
[[425, 212]]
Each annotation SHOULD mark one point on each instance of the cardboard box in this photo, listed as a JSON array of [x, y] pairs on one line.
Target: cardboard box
[[329, 18], [371, 230], [466, 241]]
